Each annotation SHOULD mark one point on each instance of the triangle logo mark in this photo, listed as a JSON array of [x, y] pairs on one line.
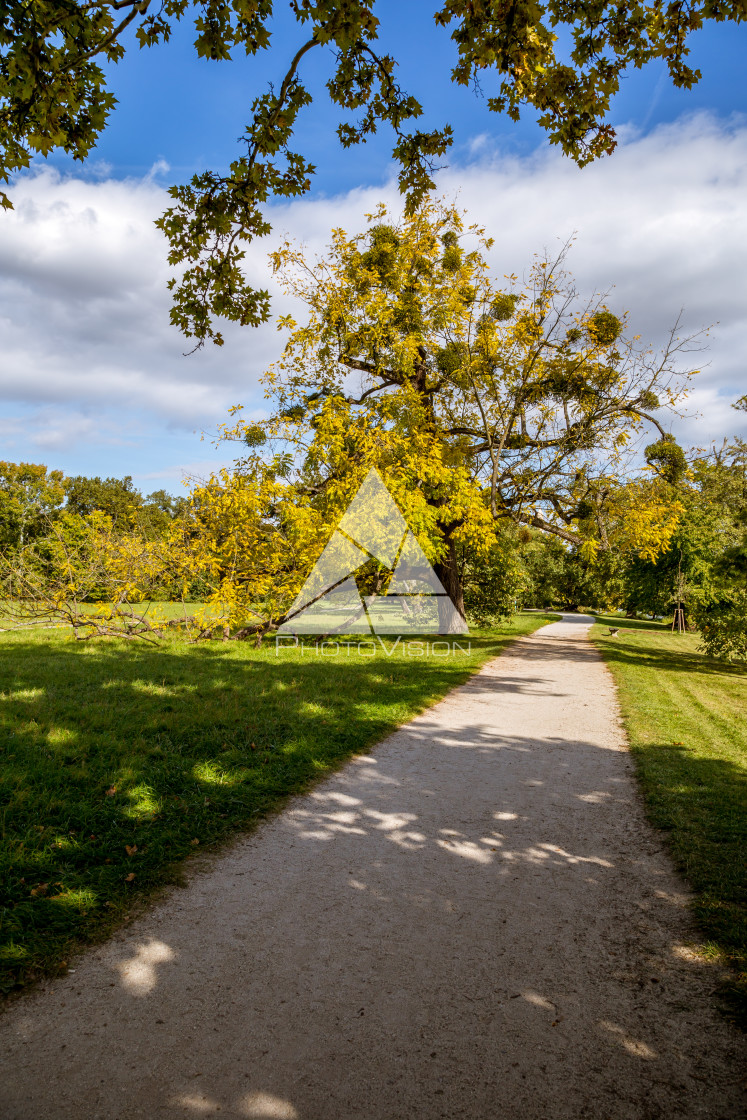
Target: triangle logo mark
[[374, 521], [337, 611], [413, 574], [339, 560], [416, 601]]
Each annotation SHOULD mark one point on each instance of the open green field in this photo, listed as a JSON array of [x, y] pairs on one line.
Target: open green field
[[686, 717], [153, 609], [119, 759]]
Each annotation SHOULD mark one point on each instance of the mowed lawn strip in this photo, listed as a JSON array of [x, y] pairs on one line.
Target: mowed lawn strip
[[118, 760], [686, 718]]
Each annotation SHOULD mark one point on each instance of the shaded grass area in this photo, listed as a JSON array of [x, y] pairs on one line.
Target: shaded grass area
[[686, 717], [118, 760]]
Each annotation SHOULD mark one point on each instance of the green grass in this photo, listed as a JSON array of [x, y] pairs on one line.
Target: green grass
[[686, 717], [109, 746], [153, 609]]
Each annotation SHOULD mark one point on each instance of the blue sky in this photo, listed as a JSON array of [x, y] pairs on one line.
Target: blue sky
[[92, 376], [189, 111]]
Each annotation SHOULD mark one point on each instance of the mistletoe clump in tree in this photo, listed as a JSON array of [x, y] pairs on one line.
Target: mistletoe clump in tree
[[484, 404]]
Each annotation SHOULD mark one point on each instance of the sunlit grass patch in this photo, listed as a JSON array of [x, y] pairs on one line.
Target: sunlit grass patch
[[23, 694], [144, 804], [80, 899], [216, 775], [59, 736]]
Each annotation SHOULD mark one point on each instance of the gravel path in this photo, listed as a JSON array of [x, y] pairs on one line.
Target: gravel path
[[472, 921]]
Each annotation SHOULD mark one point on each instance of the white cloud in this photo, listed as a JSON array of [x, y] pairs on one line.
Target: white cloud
[[52, 428], [84, 308], [84, 311]]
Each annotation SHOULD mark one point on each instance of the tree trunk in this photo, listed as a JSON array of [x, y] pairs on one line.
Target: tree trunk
[[448, 572]]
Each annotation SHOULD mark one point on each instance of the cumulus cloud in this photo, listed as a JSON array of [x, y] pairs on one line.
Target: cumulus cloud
[[84, 309], [84, 317]]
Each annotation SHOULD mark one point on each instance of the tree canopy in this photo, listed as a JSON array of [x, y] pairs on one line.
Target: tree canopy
[[564, 59], [32, 496], [29, 492], [484, 403]]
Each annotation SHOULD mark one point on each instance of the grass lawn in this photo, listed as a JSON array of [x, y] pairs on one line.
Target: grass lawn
[[686, 717], [118, 760]]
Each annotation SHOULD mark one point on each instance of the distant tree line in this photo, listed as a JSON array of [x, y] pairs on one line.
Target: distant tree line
[[703, 569], [38, 503], [31, 494]]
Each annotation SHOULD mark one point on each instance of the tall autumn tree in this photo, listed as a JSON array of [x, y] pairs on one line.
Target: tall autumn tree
[[481, 402], [563, 59]]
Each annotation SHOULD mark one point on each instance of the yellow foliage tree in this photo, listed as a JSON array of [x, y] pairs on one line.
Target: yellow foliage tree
[[486, 405], [83, 573], [481, 402]]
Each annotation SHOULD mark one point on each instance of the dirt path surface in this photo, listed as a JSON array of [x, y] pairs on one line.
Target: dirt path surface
[[472, 921]]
